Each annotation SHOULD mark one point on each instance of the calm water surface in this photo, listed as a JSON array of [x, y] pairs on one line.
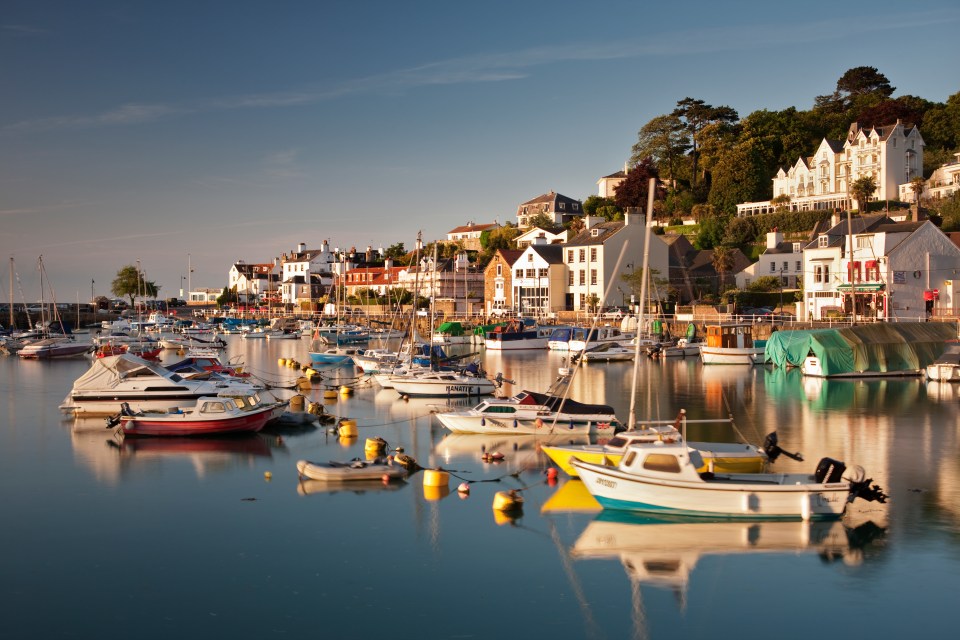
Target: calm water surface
[[161, 539]]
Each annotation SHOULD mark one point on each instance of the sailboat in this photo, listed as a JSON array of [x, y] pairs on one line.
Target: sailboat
[[53, 347]]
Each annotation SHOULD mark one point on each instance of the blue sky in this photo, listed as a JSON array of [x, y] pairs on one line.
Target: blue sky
[[153, 131]]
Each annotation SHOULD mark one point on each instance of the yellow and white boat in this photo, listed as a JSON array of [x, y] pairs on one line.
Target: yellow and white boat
[[719, 457]]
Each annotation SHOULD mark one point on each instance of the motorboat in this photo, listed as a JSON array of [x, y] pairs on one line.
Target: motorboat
[[55, 347], [517, 335], [190, 342], [682, 348], [726, 457], [334, 355], [946, 368], [664, 478], [451, 333], [596, 336], [605, 352], [142, 384], [212, 415], [444, 384], [731, 343], [353, 471], [529, 412]]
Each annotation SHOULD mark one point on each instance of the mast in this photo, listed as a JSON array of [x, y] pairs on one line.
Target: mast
[[11, 292], [632, 419]]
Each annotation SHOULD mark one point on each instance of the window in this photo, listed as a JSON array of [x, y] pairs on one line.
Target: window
[[593, 254], [662, 462], [576, 206], [570, 278], [773, 267], [593, 277], [542, 273], [531, 273], [583, 255], [583, 277], [529, 257], [499, 269], [786, 266], [823, 241], [518, 274], [821, 273], [799, 266], [569, 255], [561, 205], [864, 242]]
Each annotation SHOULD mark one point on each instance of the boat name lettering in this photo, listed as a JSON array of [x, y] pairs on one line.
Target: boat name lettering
[[462, 388], [610, 484]]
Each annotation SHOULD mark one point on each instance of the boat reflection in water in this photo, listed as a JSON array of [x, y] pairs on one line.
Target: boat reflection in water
[[520, 451], [663, 552], [111, 458], [306, 487]]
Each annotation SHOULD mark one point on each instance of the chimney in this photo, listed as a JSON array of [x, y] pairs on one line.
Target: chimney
[[301, 247], [633, 216], [387, 265], [591, 221], [834, 218], [774, 238], [369, 254]]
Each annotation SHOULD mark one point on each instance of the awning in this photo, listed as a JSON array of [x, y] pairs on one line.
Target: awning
[[863, 287]]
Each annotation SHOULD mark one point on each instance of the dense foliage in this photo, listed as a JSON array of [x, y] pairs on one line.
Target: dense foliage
[[708, 155], [131, 283]]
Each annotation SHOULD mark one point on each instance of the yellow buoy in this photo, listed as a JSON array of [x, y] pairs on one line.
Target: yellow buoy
[[267, 475], [375, 444], [293, 364], [345, 390], [348, 428], [330, 394], [347, 441], [297, 402], [282, 362], [303, 383], [435, 478], [507, 500], [315, 408]]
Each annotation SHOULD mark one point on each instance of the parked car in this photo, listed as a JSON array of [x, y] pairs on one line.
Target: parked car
[[615, 313]]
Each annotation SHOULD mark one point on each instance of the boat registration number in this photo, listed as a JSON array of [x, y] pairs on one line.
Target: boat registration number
[[609, 484]]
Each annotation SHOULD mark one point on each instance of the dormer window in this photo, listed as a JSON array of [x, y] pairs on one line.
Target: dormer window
[[823, 241], [561, 205], [796, 247], [594, 232]]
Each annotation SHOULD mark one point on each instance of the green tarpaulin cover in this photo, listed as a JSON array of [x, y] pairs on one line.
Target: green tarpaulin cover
[[880, 347], [450, 329]]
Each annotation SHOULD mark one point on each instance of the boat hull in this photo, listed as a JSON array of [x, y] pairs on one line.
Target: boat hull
[[442, 389], [180, 425], [472, 422], [745, 460], [731, 355], [356, 471], [615, 489]]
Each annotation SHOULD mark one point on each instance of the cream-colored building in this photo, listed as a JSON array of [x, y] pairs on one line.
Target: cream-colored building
[[892, 155], [943, 183], [538, 281]]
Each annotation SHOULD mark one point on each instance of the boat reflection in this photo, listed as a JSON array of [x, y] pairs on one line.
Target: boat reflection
[[307, 487], [571, 497], [662, 552], [112, 457], [521, 451]]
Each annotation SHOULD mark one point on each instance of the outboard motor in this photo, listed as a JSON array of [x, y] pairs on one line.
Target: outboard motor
[[773, 450], [860, 487], [829, 470]]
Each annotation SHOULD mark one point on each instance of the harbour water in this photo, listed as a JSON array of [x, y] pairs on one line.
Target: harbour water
[[160, 539]]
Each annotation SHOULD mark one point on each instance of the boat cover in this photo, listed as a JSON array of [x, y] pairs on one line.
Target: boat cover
[[879, 347], [568, 406], [450, 329], [106, 372]]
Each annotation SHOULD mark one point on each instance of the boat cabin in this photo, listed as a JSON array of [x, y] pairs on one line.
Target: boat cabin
[[730, 336]]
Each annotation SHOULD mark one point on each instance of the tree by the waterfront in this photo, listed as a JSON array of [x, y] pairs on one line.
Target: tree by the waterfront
[[862, 189], [130, 283]]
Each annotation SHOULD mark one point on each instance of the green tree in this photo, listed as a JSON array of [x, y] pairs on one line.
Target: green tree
[[917, 185], [541, 220], [862, 189], [396, 252], [711, 231], [130, 282], [664, 140], [765, 284], [740, 233], [854, 85], [694, 116], [740, 177], [227, 297]]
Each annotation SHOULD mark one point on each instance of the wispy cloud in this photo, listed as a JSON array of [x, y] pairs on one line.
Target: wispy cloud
[[22, 30], [283, 164], [515, 65]]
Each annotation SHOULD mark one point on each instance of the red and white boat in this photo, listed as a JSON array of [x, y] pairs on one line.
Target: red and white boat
[[213, 415]]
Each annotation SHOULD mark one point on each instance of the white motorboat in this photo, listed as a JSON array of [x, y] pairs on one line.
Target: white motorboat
[[442, 384], [596, 336], [606, 352], [731, 343], [143, 385], [191, 342], [529, 412], [55, 348], [946, 368], [663, 477]]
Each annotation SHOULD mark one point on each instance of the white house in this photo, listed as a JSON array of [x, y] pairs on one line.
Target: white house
[[892, 154], [469, 234], [607, 185], [558, 208], [943, 183], [883, 269], [782, 260], [591, 259], [307, 273], [539, 283], [554, 235], [253, 281]]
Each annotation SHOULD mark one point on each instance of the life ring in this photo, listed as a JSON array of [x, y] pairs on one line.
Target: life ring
[[538, 422]]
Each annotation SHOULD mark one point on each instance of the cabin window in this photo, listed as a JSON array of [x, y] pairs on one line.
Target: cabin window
[[499, 409], [665, 462], [213, 407]]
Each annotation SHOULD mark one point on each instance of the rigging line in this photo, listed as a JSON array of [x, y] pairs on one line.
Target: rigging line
[[590, 332], [593, 629]]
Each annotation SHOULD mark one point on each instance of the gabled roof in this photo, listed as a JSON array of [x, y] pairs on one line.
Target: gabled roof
[[618, 174], [551, 253], [551, 198], [510, 256], [474, 227], [587, 236]]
